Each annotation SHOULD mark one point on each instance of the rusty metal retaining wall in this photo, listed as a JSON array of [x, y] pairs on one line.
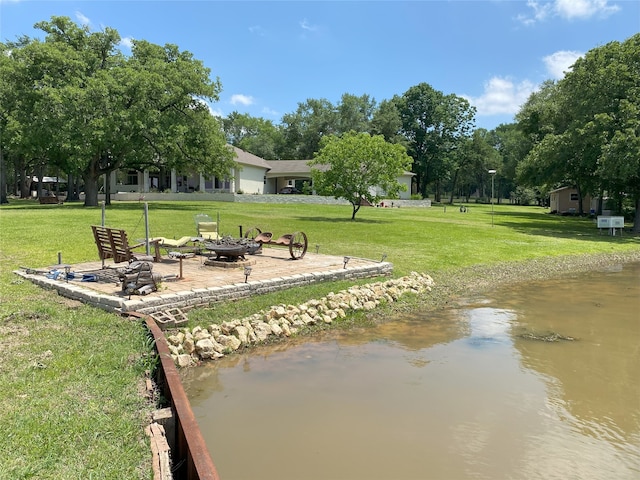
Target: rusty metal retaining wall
[[190, 452]]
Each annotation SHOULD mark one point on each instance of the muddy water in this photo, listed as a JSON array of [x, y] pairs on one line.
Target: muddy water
[[467, 393]]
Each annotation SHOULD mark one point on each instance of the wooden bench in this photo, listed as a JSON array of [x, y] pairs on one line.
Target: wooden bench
[[113, 243], [50, 200]]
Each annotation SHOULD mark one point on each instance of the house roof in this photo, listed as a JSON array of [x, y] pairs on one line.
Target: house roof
[[246, 158], [290, 166], [561, 189], [278, 168]]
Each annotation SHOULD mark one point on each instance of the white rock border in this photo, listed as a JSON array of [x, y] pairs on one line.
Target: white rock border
[[190, 346]]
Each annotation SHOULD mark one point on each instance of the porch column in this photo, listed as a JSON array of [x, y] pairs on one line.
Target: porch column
[[145, 181], [112, 182], [202, 184], [174, 181], [232, 181]]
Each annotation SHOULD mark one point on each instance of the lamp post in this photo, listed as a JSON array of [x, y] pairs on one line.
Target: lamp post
[[493, 176]]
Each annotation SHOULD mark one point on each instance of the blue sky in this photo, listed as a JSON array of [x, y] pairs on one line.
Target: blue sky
[[269, 56]]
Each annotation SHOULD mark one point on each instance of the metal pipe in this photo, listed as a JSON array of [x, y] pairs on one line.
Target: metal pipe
[[146, 227]]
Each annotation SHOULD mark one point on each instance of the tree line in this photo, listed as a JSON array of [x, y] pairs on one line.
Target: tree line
[[74, 103]]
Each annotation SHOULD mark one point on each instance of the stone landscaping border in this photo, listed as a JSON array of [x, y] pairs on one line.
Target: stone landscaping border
[[190, 346]]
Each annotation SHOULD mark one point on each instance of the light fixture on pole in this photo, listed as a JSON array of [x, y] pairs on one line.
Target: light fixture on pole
[[247, 272], [493, 176], [346, 260]]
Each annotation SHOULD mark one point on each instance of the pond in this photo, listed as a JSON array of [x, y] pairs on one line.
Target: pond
[[539, 380]]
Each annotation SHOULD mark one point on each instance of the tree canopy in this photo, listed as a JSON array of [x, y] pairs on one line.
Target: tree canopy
[[77, 103], [359, 167], [585, 128]]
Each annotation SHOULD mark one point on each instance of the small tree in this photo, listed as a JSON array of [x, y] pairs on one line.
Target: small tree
[[358, 167]]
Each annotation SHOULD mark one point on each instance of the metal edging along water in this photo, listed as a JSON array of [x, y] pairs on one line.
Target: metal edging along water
[[190, 454]]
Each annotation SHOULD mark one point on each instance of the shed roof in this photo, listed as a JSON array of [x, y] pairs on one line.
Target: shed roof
[[561, 189]]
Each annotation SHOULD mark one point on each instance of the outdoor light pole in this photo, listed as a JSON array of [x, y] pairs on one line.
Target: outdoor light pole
[[493, 176]]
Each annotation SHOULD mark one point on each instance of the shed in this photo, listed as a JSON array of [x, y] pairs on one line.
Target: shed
[[564, 201]]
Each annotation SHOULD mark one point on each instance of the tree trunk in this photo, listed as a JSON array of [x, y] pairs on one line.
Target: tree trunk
[[356, 207], [25, 184], [3, 180], [90, 191], [580, 209], [40, 177], [636, 218], [76, 188], [453, 185], [438, 195], [107, 189], [91, 176]]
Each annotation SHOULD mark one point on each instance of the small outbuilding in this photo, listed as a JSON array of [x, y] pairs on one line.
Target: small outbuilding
[[565, 201]]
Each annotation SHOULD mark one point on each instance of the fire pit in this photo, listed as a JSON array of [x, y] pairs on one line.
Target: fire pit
[[233, 249]]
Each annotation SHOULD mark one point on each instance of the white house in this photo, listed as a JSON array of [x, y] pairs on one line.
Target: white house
[[251, 175]]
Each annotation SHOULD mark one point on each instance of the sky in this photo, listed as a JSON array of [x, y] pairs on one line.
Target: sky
[[270, 56]]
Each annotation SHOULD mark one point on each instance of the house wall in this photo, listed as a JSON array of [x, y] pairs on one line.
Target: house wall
[[405, 180], [250, 179], [406, 195]]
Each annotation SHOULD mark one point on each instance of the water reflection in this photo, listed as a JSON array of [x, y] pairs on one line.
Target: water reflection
[[453, 394]]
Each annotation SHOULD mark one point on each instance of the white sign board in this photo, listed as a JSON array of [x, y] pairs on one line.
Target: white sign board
[[611, 223], [617, 222]]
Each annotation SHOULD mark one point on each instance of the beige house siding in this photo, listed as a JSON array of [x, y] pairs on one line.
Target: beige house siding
[[565, 200]]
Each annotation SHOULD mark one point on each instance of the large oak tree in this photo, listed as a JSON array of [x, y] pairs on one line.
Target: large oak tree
[[93, 110]]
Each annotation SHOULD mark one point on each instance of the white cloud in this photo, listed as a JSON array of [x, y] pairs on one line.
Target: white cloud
[[540, 12], [305, 25], [126, 42], [560, 62], [245, 100], [215, 112], [567, 9], [502, 96], [571, 9], [82, 18], [212, 111]]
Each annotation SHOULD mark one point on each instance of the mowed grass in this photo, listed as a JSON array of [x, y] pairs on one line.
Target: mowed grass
[[70, 375]]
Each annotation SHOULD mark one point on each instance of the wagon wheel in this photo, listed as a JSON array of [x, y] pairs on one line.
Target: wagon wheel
[[252, 233], [298, 245]]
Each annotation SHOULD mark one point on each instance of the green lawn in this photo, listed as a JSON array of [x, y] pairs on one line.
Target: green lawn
[[70, 374]]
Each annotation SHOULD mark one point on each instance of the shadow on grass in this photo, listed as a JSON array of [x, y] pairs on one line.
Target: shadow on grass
[[343, 220], [575, 228], [121, 206]]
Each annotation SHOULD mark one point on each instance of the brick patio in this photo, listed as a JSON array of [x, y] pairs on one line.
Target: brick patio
[[202, 284]]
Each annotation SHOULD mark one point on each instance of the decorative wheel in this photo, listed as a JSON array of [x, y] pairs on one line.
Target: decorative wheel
[[298, 245], [252, 233]]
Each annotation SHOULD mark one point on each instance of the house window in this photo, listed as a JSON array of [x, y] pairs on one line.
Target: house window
[[132, 177], [574, 197]]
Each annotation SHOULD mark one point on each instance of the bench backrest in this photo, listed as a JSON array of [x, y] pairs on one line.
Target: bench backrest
[[112, 243]]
